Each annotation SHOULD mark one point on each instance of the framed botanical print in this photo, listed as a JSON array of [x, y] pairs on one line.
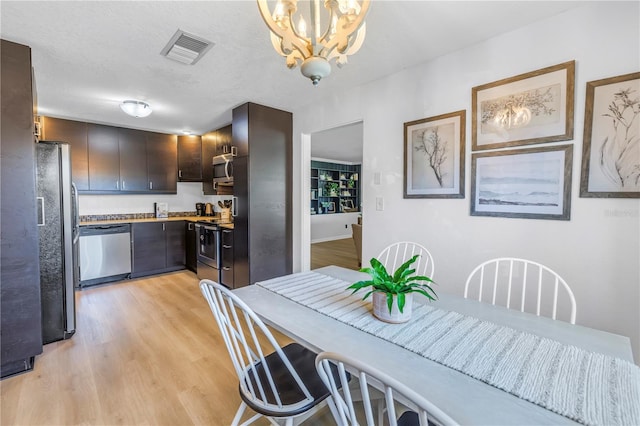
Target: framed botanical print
[[611, 142], [531, 108], [434, 155], [531, 183]]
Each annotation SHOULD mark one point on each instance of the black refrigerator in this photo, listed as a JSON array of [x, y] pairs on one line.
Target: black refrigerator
[[58, 229]]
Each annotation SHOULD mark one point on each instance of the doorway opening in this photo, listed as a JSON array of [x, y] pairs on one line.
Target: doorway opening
[[335, 200]]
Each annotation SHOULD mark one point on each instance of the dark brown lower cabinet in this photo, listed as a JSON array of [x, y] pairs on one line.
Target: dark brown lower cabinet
[[157, 247], [226, 256], [191, 253]]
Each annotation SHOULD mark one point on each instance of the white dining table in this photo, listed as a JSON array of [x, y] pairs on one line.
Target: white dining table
[[466, 399]]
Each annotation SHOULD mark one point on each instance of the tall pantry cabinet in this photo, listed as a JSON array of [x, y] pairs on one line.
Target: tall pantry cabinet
[[20, 308], [262, 169]]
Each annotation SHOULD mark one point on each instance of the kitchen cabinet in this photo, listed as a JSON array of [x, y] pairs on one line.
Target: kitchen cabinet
[[262, 239], [75, 134], [175, 241], [191, 248], [133, 160], [114, 160], [189, 158], [162, 169], [157, 247], [209, 142], [224, 140], [226, 258], [20, 309], [103, 157]]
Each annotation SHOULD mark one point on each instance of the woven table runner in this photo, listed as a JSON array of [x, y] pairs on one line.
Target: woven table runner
[[587, 387]]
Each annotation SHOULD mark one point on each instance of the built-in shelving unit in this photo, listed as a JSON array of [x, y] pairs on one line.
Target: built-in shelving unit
[[335, 187]]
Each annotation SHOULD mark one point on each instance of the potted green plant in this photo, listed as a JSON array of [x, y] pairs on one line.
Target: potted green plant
[[393, 294], [332, 188]]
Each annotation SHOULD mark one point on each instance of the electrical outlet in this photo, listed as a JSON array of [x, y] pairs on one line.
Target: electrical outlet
[[379, 203]]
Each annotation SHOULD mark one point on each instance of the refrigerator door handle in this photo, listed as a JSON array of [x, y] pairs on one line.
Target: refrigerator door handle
[[76, 214], [234, 211]]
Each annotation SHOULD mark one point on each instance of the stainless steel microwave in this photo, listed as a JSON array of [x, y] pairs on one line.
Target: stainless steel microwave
[[223, 169]]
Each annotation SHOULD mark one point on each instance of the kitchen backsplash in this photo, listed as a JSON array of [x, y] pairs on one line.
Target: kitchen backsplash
[[136, 206], [129, 216]]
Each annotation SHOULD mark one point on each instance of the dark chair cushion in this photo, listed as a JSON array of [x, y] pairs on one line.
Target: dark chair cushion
[[303, 361], [411, 418]]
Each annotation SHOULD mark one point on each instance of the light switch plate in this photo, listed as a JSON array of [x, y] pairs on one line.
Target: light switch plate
[[379, 203]]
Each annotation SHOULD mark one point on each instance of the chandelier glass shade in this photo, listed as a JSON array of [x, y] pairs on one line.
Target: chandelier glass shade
[[136, 108], [307, 37]]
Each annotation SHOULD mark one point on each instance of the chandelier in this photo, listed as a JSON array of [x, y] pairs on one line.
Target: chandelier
[[335, 34]]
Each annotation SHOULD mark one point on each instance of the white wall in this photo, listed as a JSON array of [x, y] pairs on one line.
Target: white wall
[[597, 251], [327, 227], [188, 194]]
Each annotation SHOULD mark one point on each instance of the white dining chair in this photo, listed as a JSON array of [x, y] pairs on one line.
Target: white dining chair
[[397, 253], [281, 384], [521, 284], [346, 412]]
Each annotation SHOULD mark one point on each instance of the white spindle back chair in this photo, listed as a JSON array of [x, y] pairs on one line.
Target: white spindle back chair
[[346, 413], [270, 384], [397, 253], [506, 276]]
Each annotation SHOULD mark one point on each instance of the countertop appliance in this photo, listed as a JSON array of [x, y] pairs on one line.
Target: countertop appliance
[[58, 223], [208, 209], [105, 253], [208, 241], [199, 209]]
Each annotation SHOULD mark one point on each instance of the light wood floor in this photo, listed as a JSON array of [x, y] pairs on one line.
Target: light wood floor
[[336, 252], [146, 352]]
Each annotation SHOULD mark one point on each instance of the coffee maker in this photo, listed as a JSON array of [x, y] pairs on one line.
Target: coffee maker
[[199, 209]]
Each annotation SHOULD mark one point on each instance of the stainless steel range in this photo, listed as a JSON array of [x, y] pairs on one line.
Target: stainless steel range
[[208, 240]]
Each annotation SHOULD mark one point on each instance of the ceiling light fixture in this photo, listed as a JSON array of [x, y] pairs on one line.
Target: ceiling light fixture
[[341, 33], [136, 108]]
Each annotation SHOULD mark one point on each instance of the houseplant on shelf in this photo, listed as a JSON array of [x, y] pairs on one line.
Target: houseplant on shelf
[[393, 294], [332, 189]]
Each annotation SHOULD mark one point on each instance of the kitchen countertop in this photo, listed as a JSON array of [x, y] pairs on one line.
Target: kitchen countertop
[[153, 219]]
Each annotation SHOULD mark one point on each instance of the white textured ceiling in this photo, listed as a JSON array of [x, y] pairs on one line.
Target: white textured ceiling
[[90, 55]]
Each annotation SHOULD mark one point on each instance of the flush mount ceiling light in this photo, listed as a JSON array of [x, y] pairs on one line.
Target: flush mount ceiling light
[[335, 34], [136, 108]]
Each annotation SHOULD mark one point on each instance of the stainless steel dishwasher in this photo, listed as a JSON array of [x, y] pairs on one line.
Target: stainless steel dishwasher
[[105, 253]]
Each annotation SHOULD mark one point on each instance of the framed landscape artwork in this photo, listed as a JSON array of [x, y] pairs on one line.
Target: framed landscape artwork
[[533, 183], [434, 155], [611, 142], [531, 108]]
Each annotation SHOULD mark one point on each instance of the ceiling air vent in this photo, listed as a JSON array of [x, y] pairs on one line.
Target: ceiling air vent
[[186, 48]]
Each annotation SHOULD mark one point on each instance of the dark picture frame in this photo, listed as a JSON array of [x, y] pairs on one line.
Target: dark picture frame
[[531, 108], [611, 141], [530, 183], [434, 156]]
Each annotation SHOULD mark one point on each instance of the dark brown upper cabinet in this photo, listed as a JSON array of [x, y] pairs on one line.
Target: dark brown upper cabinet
[[133, 160], [162, 168], [190, 158], [223, 144], [113, 160], [75, 134], [103, 158], [209, 142]]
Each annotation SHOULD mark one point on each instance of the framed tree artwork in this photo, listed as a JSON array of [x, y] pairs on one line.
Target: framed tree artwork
[[611, 142], [531, 108], [434, 155], [531, 183]]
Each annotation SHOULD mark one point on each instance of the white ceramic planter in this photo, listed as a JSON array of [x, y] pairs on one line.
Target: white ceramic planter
[[381, 310]]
